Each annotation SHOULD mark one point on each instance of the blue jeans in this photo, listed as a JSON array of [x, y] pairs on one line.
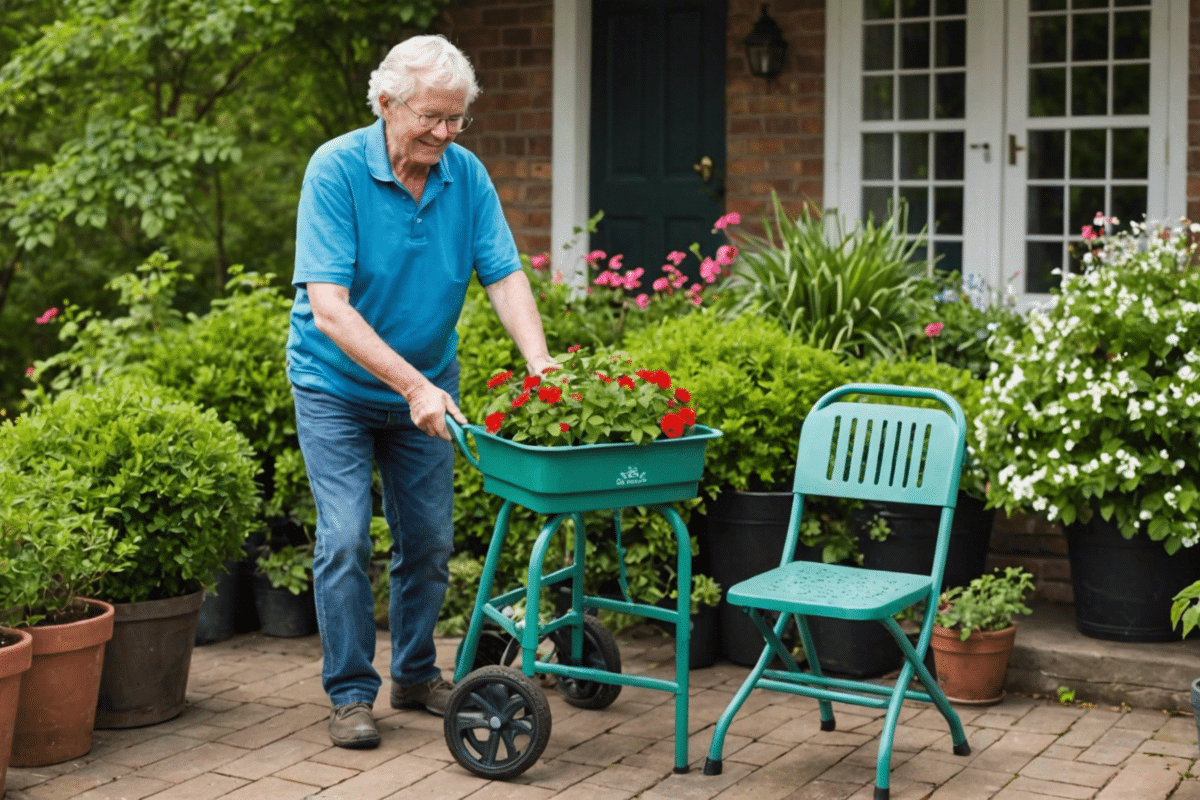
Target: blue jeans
[[340, 439]]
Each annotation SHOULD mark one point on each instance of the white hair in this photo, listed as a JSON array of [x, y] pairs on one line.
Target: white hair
[[427, 60]]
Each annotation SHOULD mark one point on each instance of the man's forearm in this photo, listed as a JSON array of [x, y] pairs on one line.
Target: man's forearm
[[513, 301]]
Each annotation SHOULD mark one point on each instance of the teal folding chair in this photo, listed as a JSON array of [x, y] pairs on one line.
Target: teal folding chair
[[865, 451]]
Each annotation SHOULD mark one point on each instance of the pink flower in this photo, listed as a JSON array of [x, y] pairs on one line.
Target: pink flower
[[1088, 233], [558, 278], [594, 256], [732, 218], [679, 280], [631, 278], [726, 253], [661, 285], [710, 270], [933, 329], [614, 263], [602, 279], [47, 315], [539, 261], [643, 300], [675, 257], [29, 370]]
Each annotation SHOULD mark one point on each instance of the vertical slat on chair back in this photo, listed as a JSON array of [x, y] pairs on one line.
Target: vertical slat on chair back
[[886, 453]]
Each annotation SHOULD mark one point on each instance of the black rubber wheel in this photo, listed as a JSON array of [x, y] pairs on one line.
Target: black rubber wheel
[[495, 647], [600, 651], [497, 723]]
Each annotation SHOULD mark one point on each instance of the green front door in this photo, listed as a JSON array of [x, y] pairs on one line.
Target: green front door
[[658, 128]]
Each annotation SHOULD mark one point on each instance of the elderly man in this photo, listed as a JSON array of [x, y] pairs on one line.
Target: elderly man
[[393, 219]]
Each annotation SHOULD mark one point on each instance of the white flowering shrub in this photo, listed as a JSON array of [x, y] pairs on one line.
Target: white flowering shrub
[[1096, 404]]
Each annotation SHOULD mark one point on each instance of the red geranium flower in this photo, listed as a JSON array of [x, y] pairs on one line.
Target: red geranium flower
[[531, 381], [564, 427], [603, 377], [574, 348], [521, 399], [683, 395], [549, 394], [625, 381], [672, 425], [688, 416], [499, 378], [577, 396], [493, 421]]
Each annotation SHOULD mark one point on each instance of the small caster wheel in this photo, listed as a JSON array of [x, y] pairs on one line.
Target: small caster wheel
[[495, 647], [600, 651], [497, 723]]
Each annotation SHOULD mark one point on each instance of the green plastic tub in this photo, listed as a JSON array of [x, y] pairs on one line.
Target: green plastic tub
[[559, 480]]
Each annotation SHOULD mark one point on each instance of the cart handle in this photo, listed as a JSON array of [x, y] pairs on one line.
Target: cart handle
[[459, 435]]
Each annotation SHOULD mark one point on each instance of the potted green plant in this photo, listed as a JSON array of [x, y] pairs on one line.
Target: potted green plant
[[974, 634], [1091, 418], [175, 487], [52, 557]]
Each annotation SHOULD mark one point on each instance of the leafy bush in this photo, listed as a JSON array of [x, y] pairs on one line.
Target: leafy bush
[[833, 289], [169, 483], [988, 603]]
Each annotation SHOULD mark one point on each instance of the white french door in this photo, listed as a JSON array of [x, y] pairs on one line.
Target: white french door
[[1006, 125]]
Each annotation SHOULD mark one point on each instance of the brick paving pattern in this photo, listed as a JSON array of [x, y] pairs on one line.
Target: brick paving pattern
[[255, 729]]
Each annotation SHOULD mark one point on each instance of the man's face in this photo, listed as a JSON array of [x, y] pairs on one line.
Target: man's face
[[417, 131]]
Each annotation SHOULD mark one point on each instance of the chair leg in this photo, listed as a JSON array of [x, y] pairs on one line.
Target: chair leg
[[712, 765], [958, 736], [828, 723]]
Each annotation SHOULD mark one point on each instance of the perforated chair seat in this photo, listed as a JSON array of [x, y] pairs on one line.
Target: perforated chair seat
[[831, 590]]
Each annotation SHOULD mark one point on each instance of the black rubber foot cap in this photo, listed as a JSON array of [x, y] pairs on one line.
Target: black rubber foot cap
[[712, 766], [828, 724], [682, 770], [963, 749], [882, 794]]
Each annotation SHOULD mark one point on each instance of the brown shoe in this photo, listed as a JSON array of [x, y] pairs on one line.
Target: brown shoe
[[432, 695], [352, 726]]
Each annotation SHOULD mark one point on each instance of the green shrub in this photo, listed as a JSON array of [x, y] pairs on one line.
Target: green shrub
[[172, 483], [988, 603]]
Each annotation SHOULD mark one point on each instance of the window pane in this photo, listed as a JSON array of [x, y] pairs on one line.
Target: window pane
[[948, 154], [877, 156], [916, 197], [1129, 203], [1047, 151], [951, 95], [1088, 154], [1086, 203], [877, 97], [1089, 4], [914, 45], [914, 97], [1044, 210], [914, 8], [914, 156], [1040, 259], [879, 9], [1048, 40], [1131, 34], [1047, 5], [878, 47], [946, 7], [1131, 89], [876, 203], [1089, 37], [1047, 92], [948, 208], [952, 43], [949, 256], [1131, 154], [1089, 91]]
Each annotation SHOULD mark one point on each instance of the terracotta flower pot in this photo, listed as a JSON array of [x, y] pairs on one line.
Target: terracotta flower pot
[[57, 706], [972, 671], [14, 660]]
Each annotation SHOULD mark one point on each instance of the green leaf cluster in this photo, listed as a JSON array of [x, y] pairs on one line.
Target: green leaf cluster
[[987, 603], [169, 484], [1185, 609]]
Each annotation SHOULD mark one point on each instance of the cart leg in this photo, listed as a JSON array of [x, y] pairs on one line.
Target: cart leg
[[531, 633], [683, 635], [471, 642]]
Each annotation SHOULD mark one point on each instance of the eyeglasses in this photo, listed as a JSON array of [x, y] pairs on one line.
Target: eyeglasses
[[454, 124]]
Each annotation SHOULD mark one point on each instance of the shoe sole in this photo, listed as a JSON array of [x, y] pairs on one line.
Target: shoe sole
[[357, 744], [413, 705]]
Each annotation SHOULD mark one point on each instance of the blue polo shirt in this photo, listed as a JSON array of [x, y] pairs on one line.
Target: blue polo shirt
[[407, 265]]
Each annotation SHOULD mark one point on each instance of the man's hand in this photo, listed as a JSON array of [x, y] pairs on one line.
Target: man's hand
[[540, 365], [428, 406]]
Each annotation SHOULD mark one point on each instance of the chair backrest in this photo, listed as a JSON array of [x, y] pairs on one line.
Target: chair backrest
[[882, 452]]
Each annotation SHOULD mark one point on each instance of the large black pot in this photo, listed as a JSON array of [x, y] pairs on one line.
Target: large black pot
[[909, 547], [146, 663], [281, 613], [1123, 587]]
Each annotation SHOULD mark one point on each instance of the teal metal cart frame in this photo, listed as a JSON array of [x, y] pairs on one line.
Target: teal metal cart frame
[[482, 731]]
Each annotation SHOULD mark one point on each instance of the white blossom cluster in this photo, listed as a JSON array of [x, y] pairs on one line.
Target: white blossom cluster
[[1098, 399]]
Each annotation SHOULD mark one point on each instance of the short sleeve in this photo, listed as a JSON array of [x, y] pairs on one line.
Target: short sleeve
[[326, 231]]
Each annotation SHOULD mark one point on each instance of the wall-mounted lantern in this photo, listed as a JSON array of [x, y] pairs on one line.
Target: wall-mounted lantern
[[765, 47]]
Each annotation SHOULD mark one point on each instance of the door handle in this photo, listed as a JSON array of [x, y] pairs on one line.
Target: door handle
[[1013, 148], [704, 168]]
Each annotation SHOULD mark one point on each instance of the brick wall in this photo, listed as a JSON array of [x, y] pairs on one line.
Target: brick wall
[[775, 129], [1033, 543], [510, 43]]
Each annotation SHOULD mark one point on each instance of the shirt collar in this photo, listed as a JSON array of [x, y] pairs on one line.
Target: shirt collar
[[381, 168]]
